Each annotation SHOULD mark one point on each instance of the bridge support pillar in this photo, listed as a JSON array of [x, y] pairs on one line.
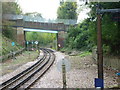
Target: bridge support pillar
[[61, 38], [56, 41], [20, 36]]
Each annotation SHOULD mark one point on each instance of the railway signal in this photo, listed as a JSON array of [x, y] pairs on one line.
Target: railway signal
[[32, 44], [12, 51], [36, 42], [13, 43], [27, 45], [27, 42]]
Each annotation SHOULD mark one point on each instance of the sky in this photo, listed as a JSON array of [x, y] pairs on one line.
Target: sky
[[48, 8]]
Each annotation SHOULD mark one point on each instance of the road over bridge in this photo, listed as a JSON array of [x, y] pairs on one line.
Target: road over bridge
[[37, 24]]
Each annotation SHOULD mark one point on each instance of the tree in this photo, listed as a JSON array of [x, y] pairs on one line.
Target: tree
[[9, 8], [43, 38], [78, 37], [67, 10], [110, 28], [34, 14]]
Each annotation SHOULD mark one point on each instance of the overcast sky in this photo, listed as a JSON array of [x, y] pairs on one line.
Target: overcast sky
[[48, 8]]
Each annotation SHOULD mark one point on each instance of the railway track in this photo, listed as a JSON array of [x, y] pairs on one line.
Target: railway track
[[28, 77]]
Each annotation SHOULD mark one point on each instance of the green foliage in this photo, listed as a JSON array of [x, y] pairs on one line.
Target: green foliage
[[43, 38], [110, 28], [78, 37], [84, 35], [67, 10], [7, 47], [10, 8], [21, 59], [85, 53], [34, 14], [9, 31]]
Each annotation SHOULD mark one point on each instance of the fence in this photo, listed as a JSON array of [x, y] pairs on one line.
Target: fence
[[112, 62]]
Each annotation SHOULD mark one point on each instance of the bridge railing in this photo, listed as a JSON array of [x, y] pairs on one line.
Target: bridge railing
[[39, 19]]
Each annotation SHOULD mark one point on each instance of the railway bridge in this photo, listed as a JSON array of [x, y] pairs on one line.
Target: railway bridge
[[23, 24]]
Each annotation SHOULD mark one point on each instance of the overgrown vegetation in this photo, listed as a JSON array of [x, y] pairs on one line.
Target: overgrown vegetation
[[44, 39], [9, 8], [12, 64], [8, 32], [110, 28], [67, 10], [85, 53], [7, 45], [84, 35], [78, 37]]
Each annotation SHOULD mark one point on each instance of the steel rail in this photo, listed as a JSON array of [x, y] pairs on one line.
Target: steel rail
[[22, 82], [23, 73], [42, 72]]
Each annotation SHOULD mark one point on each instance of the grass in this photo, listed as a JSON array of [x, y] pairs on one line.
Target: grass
[[66, 50], [85, 53], [12, 64], [0, 44], [82, 54], [6, 46]]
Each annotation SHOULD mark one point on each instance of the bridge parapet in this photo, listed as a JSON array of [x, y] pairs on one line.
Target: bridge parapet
[[19, 22], [40, 23], [45, 26]]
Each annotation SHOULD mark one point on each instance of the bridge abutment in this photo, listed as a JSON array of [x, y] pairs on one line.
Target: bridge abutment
[[20, 32], [61, 38], [20, 36]]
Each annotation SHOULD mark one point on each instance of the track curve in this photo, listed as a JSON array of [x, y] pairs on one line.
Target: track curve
[[25, 76]]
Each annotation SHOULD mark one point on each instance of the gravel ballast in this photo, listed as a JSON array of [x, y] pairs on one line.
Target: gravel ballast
[[81, 75], [19, 69]]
